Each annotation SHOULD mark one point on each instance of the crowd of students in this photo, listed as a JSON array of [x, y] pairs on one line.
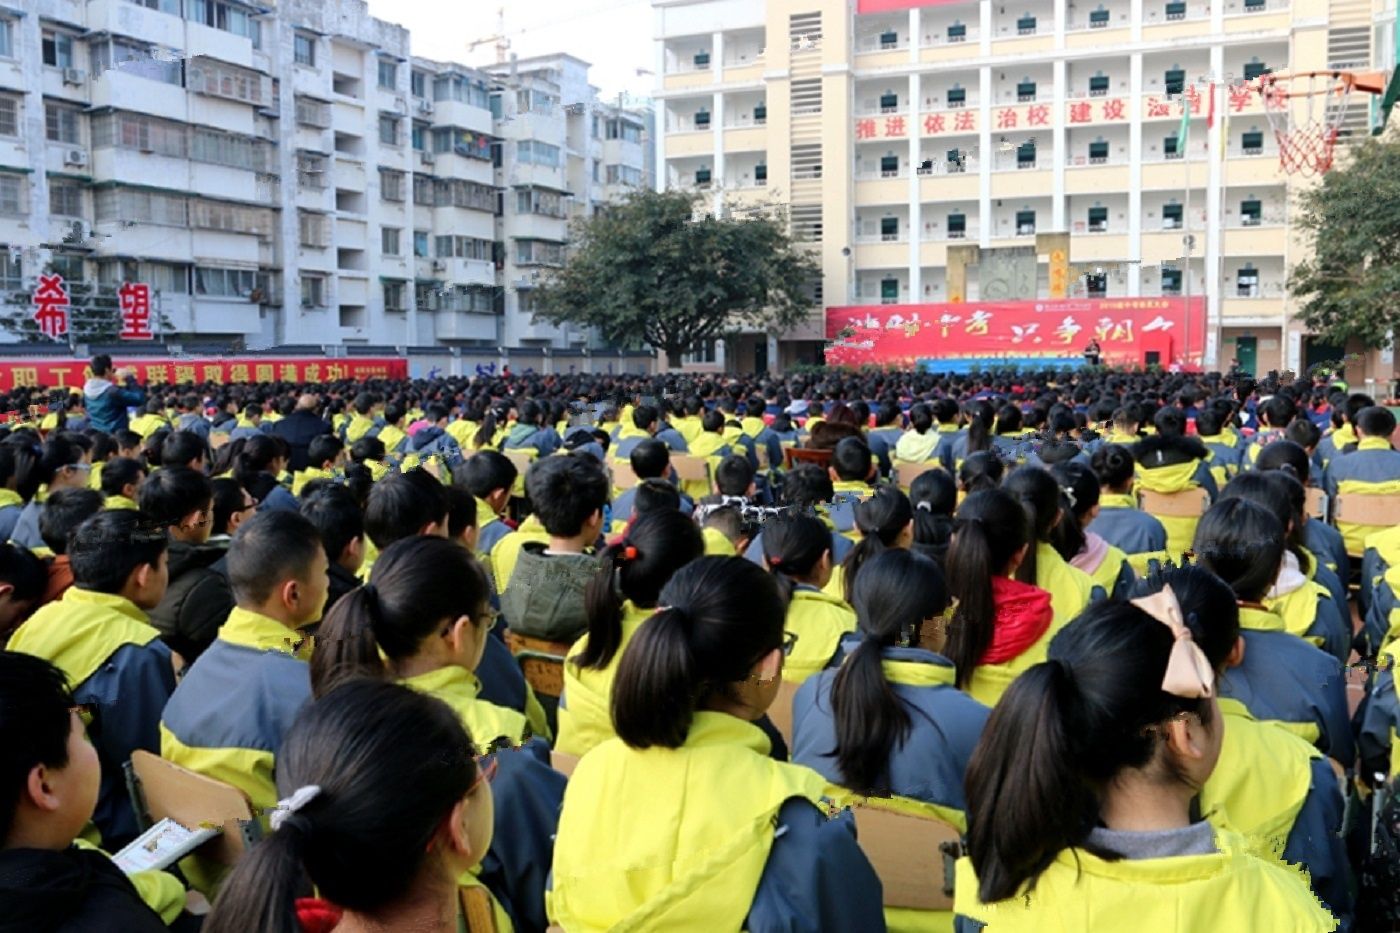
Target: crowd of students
[[951, 605]]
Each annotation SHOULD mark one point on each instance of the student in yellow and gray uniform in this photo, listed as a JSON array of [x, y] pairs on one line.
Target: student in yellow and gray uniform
[[1120, 522], [1321, 539], [1169, 462], [754, 850], [797, 551], [1372, 469], [1107, 566]]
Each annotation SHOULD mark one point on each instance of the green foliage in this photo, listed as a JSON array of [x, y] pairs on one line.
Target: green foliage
[[647, 272], [1347, 288]]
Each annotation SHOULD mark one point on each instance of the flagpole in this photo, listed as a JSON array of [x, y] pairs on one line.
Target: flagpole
[[1186, 239]]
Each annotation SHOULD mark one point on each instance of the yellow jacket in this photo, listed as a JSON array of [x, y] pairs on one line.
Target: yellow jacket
[[1069, 587], [489, 725], [585, 715], [1178, 477], [301, 477], [507, 550], [82, 629], [120, 503], [819, 621], [146, 425]]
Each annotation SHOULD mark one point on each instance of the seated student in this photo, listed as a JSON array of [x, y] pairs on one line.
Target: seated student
[[1125, 426], [64, 512], [489, 476], [1170, 462], [249, 423], [23, 579], [531, 432], [785, 431], [1321, 539], [324, 455], [807, 488], [369, 451], [389, 431], [934, 497], [1000, 626], [227, 718], [725, 530], [757, 851], [983, 469], [198, 599], [257, 467], [885, 435], [232, 506], [430, 440], [1080, 796], [185, 449], [1120, 522], [14, 457], [543, 597], [885, 520], [1073, 539], [373, 855], [922, 442], [1269, 785], [689, 424], [52, 776], [151, 419], [650, 460], [797, 551], [62, 464], [619, 600], [362, 419], [1281, 678], [1343, 437], [736, 482], [1069, 587], [402, 505], [1275, 414], [98, 634], [1226, 450], [852, 469], [646, 422], [1373, 468], [461, 518], [341, 524]]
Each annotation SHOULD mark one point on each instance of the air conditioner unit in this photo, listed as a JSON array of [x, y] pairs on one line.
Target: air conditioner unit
[[74, 76], [439, 265], [425, 106], [401, 104], [426, 157], [75, 157]]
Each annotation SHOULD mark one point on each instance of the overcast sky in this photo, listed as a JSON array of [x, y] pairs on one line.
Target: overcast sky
[[614, 35]]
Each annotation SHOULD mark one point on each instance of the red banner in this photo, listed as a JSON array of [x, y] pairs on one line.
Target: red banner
[[889, 6], [1126, 329], [60, 373]]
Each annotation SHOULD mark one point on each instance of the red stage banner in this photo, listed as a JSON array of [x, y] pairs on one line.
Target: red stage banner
[[61, 373], [1126, 329], [889, 6]]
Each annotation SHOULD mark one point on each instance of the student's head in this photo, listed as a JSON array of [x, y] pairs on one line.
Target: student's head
[[719, 639], [61, 464], [1354, 403], [991, 537], [644, 418], [461, 517], [181, 500], [23, 579], [1279, 495], [634, 569], [568, 494], [122, 476], [120, 552], [797, 549], [427, 600], [232, 506], [1285, 456], [63, 512], [730, 522], [128, 443], [1127, 419], [1208, 608], [1040, 496], [650, 459], [1114, 466], [885, 520], [1242, 543], [404, 504], [807, 486], [1302, 432], [851, 461], [920, 417], [734, 476], [1008, 419], [338, 519], [898, 594], [365, 844], [49, 769], [1079, 504], [1070, 732], [934, 496], [1375, 422], [277, 567], [367, 449], [101, 365], [324, 452], [1209, 422], [184, 448], [981, 470], [1277, 411], [655, 495]]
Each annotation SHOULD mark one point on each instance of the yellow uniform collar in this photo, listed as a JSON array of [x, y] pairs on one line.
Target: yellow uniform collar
[[254, 630]]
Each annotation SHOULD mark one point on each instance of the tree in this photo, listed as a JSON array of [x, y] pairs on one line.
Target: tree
[[648, 270], [1347, 287]]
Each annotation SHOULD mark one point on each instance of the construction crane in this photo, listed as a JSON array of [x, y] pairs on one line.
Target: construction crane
[[501, 39]]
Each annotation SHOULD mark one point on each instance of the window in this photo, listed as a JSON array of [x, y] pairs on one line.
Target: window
[[311, 171], [391, 184], [165, 6], [1098, 152], [417, 83], [702, 176], [1169, 150], [145, 134], [423, 190], [1096, 284], [629, 175], [957, 226], [1025, 89], [394, 296], [313, 291], [760, 114], [389, 130], [314, 229], [56, 49], [65, 197], [388, 74], [462, 247], [760, 174], [463, 90], [230, 217], [538, 201], [61, 124], [1174, 80], [702, 119], [304, 50], [312, 112], [1247, 282], [1171, 216], [1252, 142], [418, 136], [627, 132], [538, 253], [9, 116], [1171, 280], [140, 206], [534, 152], [475, 145], [957, 96], [889, 166], [11, 194], [1098, 85], [1251, 212], [220, 148], [1025, 155], [889, 102], [133, 58], [220, 79], [11, 270], [889, 291], [420, 244], [1098, 220], [7, 38], [389, 240], [225, 283], [889, 228], [534, 101], [957, 161], [225, 16], [166, 277], [1025, 223]]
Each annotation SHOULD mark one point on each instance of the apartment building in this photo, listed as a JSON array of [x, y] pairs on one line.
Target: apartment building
[[280, 176], [913, 142]]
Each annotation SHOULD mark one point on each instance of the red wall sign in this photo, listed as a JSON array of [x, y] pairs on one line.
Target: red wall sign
[[1055, 329], [47, 373]]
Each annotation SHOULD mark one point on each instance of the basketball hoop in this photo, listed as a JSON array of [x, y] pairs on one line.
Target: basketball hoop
[[1306, 111]]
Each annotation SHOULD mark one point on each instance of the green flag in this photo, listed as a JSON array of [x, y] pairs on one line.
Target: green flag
[[1185, 128]]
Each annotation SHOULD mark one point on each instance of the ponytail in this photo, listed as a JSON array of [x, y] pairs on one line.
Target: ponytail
[[989, 529], [262, 891], [1079, 493], [346, 647], [880, 519], [793, 545], [486, 433], [981, 416], [1040, 496]]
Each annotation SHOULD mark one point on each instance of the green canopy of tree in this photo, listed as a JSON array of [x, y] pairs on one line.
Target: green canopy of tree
[[1348, 287], [652, 270]]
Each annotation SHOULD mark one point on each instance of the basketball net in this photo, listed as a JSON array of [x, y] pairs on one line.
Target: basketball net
[[1306, 112]]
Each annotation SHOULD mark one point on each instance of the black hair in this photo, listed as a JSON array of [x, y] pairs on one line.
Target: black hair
[[107, 549], [897, 591], [1208, 608], [920, 418], [361, 842], [806, 486], [933, 496], [418, 585], [655, 495], [564, 491], [23, 570], [335, 513], [402, 505], [254, 462], [650, 459], [367, 448], [58, 452], [322, 449], [182, 448], [1170, 422], [989, 528], [1270, 491], [1278, 410], [1375, 421], [734, 476], [461, 511], [643, 416], [485, 432], [880, 520], [1079, 493], [127, 439], [1242, 543], [169, 494], [1008, 419], [723, 615], [35, 722], [64, 511], [981, 470], [793, 545], [634, 568], [1303, 432], [1114, 466], [269, 549], [228, 500], [484, 472], [1209, 422], [981, 415], [120, 472], [851, 459], [101, 365], [1285, 456], [1061, 734], [1040, 495]]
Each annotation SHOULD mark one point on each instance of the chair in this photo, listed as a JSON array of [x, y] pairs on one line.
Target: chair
[[794, 456], [690, 469], [912, 855], [541, 661], [906, 473], [1317, 503], [161, 790], [623, 476], [1361, 509], [1188, 503], [521, 458], [564, 764], [780, 713]]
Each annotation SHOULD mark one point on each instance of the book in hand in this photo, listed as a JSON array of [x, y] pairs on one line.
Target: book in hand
[[162, 845]]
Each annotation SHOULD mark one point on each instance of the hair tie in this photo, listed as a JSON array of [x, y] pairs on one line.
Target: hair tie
[[775, 561], [629, 552], [923, 506], [1188, 674], [371, 592], [292, 805], [1068, 493]]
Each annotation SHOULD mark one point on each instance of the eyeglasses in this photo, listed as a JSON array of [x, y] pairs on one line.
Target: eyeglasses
[[486, 773], [789, 642]]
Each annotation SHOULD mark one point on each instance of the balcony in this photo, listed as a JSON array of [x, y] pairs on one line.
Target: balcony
[[464, 325]]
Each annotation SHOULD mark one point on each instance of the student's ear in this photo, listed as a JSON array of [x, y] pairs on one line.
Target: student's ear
[[6, 590], [289, 592], [40, 791], [831, 471], [824, 562], [141, 576], [460, 634], [354, 551], [455, 835], [1181, 742], [192, 520], [1236, 656]]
